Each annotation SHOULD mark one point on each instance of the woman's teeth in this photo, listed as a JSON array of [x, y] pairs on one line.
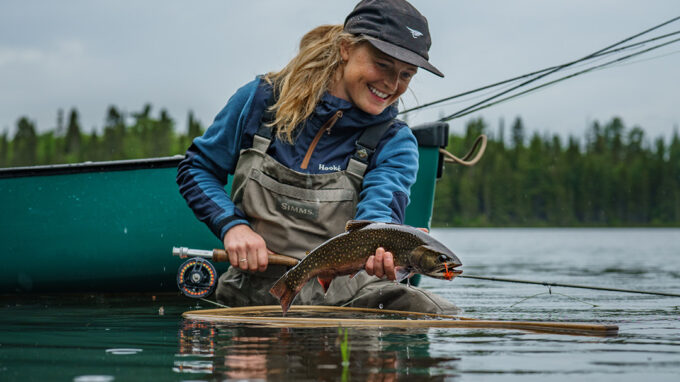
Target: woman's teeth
[[378, 92]]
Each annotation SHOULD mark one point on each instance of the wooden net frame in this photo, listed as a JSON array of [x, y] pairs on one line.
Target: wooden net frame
[[258, 315]]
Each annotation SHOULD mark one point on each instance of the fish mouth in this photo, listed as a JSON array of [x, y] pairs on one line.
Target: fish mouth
[[445, 271]]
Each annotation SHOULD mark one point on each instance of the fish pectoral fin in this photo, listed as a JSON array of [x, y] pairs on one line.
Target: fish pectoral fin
[[403, 273], [356, 273], [354, 225], [325, 282]]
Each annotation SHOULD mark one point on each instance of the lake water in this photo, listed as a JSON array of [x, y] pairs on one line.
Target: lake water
[[139, 338]]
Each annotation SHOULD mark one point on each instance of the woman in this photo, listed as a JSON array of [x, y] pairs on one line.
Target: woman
[[310, 147]]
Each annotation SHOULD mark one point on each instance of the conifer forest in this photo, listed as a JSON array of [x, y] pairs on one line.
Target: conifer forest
[[612, 176]]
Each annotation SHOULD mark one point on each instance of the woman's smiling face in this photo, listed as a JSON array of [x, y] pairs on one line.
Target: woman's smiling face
[[370, 79]]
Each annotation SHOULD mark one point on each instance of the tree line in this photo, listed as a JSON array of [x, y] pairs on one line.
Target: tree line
[[614, 177], [138, 135]]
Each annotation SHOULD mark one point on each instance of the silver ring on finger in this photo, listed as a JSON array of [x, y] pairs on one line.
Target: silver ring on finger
[[243, 260]]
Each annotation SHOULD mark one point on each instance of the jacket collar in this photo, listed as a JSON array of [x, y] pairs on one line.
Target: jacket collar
[[352, 117]]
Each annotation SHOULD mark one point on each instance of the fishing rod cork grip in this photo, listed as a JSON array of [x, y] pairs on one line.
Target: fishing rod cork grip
[[220, 256]]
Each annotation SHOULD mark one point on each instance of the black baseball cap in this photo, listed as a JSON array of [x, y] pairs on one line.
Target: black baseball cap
[[394, 27]]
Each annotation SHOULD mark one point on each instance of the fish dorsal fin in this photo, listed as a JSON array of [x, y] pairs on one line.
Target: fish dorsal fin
[[354, 225]]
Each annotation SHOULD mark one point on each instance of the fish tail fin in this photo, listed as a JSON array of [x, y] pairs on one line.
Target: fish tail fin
[[285, 295]]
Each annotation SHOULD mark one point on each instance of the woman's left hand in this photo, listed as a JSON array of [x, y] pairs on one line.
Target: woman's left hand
[[381, 264]]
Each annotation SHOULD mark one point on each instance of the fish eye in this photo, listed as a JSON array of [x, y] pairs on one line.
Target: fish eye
[[444, 258]]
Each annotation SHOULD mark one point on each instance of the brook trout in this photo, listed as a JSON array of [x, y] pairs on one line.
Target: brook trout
[[346, 254]]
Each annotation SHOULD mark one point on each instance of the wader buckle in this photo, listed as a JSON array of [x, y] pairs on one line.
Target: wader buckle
[[362, 152]]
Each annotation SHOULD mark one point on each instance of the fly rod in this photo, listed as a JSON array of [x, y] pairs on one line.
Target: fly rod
[[220, 255], [551, 284]]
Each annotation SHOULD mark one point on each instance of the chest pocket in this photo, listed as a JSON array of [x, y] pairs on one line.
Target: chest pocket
[[295, 212]]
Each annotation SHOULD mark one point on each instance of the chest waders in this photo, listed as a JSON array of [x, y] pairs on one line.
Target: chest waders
[[294, 212]]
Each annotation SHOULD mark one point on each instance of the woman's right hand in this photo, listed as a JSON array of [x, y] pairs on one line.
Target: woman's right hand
[[246, 249]]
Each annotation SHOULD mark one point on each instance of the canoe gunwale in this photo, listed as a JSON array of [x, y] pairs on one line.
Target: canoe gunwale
[[85, 167]]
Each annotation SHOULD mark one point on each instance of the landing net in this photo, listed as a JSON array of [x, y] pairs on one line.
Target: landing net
[[314, 316]]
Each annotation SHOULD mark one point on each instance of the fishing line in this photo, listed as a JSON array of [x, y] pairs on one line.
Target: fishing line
[[214, 303], [463, 111], [463, 99], [412, 93], [354, 299], [450, 100], [552, 284], [467, 110], [510, 80], [552, 293], [369, 293], [648, 59], [553, 69]]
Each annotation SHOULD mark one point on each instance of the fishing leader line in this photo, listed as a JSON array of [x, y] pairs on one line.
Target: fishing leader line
[[214, 303], [551, 293], [552, 284]]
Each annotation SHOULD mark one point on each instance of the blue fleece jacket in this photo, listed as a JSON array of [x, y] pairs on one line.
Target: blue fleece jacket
[[391, 171]]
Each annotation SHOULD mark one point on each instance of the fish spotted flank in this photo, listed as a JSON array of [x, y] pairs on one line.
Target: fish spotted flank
[[414, 252]]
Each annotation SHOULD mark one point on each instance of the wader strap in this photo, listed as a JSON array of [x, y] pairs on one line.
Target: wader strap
[[356, 168], [365, 147], [268, 117], [263, 138], [261, 144], [264, 131]]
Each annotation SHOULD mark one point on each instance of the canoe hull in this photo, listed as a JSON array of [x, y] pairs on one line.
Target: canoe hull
[[92, 229], [111, 226]]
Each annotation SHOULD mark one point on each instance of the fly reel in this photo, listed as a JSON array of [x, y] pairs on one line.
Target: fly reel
[[196, 278]]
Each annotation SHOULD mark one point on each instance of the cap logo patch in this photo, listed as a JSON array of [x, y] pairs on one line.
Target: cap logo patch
[[415, 33]]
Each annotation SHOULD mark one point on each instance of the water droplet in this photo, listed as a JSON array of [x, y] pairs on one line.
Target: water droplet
[[93, 378], [123, 351]]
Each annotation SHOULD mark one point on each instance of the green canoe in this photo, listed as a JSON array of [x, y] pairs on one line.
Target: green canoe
[[111, 226]]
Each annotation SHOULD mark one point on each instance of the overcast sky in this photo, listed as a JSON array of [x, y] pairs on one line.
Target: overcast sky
[[192, 55]]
